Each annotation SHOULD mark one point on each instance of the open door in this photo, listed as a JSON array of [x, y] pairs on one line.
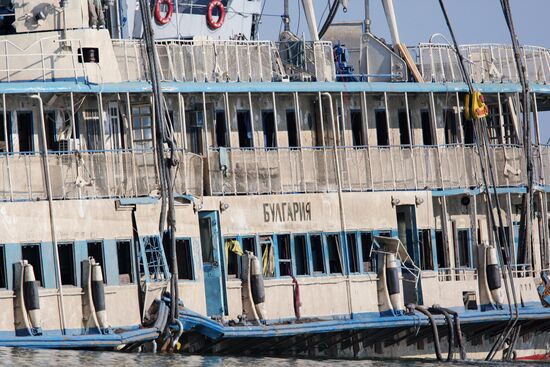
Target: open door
[[408, 235], [212, 259]]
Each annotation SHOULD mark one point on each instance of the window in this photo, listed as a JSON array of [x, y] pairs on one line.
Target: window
[[6, 144], [249, 244], [357, 128], [334, 254], [95, 250], [66, 263], [51, 131], [270, 133], [285, 262], [142, 127], [244, 126], [195, 124], [233, 260], [221, 129], [117, 131], [382, 133], [31, 253], [440, 249], [25, 131], [184, 257], [268, 256], [300, 251], [463, 245], [353, 260], [426, 256], [427, 134], [292, 129], [366, 246], [404, 135], [317, 254], [124, 257], [468, 131], [451, 128], [3, 280]]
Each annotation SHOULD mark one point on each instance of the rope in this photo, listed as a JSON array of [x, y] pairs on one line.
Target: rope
[[330, 17]]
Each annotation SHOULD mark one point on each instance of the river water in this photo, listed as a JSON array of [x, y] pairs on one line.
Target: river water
[[27, 357]]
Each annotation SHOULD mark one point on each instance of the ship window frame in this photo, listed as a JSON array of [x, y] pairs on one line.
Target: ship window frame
[[102, 262], [382, 128], [3, 268], [280, 262], [365, 250], [188, 261], [232, 255], [321, 256], [461, 246], [305, 250], [352, 256], [426, 127], [131, 260], [330, 252], [39, 275], [245, 130], [357, 127], [424, 247], [72, 281]]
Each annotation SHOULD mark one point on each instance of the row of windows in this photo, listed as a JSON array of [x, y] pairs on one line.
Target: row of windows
[[68, 265]]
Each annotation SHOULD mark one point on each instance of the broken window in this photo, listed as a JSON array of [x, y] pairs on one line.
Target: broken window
[[195, 124], [66, 263], [31, 253], [95, 250], [233, 260], [249, 244], [463, 246], [124, 257], [382, 133], [353, 260], [270, 133], [292, 129], [300, 251], [221, 129], [357, 128], [426, 255], [25, 131], [285, 262], [3, 280], [6, 143], [268, 256], [427, 134], [317, 254], [404, 131], [451, 128], [51, 131], [184, 257], [244, 126], [367, 261], [440, 250], [334, 254]]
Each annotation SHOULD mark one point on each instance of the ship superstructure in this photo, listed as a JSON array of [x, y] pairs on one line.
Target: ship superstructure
[[326, 197]]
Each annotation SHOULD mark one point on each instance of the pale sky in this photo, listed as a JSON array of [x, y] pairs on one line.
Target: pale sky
[[474, 21]]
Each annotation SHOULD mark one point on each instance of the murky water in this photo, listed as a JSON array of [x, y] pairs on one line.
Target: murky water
[[26, 357]]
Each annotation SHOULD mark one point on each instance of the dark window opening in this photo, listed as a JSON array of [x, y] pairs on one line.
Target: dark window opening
[[427, 134], [88, 54], [244, 125], [367, 261], [292, 129], [334, 254], [285, 262], [300, 251], [426, 255], [195, 123], [3, 280], [51, 131], [451, 128], [317, 254], [94, 139], [249, 244], [270, 133], [95, 250], [357, 128], [25, 131], [66, 263], [221, 129], [184, 256], [404, 135], [266, 248], [232, 260], [468, 131], [382, 133], [31, 253], [440, 249], [463, 242], [124, 257], [6, 144], [353, 260]]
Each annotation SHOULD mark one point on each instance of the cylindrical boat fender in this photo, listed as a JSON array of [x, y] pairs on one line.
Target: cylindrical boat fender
[[31, 296], [257, 287], [494, 278], [392, 283], [98, 295]]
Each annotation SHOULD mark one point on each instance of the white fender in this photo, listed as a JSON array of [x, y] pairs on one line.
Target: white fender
[[31, 290]]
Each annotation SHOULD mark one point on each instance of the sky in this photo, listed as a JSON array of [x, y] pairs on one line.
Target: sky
[[474, 21]]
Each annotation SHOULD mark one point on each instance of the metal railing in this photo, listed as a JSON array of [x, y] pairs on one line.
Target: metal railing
[[486, 63], [456, 274], [93, 174], [308, 60], [47, 59], [236, 171]]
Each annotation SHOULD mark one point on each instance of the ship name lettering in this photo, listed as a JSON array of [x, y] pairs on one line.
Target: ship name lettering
[[287, 212]]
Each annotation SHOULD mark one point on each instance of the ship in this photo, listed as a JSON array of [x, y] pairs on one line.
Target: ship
[[170, 182]]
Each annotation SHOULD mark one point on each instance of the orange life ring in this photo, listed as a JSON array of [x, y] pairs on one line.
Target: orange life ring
[[215, 24], [166, 18]]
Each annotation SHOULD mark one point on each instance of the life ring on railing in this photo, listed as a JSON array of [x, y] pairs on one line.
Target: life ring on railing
[[215, 24], [160, 19]]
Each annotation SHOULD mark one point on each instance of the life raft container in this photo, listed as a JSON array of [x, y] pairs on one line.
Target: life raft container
[[215, 24], [163, 19]]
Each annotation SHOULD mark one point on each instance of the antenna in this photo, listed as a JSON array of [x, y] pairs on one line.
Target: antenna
[[286, 17]]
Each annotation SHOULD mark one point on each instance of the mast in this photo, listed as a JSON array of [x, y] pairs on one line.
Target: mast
[[286, 17], [367, 16], [311, 19]]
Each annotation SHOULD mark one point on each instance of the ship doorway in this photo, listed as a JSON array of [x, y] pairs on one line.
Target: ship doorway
[[212, 260], [408, 235]]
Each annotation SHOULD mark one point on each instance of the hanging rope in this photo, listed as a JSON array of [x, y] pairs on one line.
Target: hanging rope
[[487, 170]]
